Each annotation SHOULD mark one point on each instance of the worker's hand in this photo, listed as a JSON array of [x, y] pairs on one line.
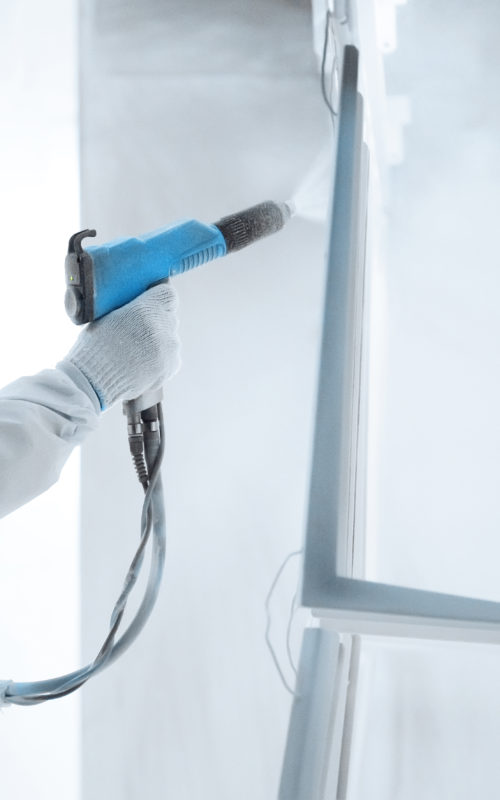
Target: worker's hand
[[132, 349]]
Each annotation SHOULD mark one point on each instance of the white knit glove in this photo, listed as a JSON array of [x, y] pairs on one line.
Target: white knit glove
[[132, 349]]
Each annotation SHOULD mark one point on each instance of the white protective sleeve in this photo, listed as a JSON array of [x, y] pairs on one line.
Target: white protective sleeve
[[42, 418]]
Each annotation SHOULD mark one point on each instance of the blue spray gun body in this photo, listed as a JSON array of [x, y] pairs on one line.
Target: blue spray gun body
[[104, 277], [125, 268]]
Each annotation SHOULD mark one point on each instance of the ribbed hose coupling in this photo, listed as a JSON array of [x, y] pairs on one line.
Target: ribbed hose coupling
[[136, 446]]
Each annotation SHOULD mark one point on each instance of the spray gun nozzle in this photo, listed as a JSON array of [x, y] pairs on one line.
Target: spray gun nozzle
[[245, 227]]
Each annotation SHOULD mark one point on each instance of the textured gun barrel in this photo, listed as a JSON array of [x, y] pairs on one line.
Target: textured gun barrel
[[245, 227]]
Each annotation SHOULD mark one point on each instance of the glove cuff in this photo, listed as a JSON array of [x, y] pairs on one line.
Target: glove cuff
[[101, 376], [72, 371]]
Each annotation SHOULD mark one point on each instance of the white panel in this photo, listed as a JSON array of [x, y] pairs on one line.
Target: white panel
[[426, 722]]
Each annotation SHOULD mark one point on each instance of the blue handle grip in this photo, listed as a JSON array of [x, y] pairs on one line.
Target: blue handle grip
[[125, 268]]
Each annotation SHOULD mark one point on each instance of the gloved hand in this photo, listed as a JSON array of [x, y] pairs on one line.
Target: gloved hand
[[132, 349]]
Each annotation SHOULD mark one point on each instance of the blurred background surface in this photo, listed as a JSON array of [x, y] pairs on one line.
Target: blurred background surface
[[197, 110], [39, 207], [428, 712]]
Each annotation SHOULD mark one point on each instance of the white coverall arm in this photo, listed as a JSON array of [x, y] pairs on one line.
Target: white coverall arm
[[42, 418]]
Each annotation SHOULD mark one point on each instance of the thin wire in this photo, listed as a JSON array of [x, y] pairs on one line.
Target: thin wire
[[324, 92], [268, 621]]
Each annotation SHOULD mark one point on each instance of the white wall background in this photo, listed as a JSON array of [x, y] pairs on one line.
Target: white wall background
[[428, 714], [39, 209], [438, 462], [197, 110]]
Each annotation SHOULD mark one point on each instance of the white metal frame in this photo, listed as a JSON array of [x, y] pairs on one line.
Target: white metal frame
[[319, 704], [317, 755], [345, 603]]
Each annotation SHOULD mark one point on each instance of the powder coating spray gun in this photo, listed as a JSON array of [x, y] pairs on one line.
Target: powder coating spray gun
[[99, 280]]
